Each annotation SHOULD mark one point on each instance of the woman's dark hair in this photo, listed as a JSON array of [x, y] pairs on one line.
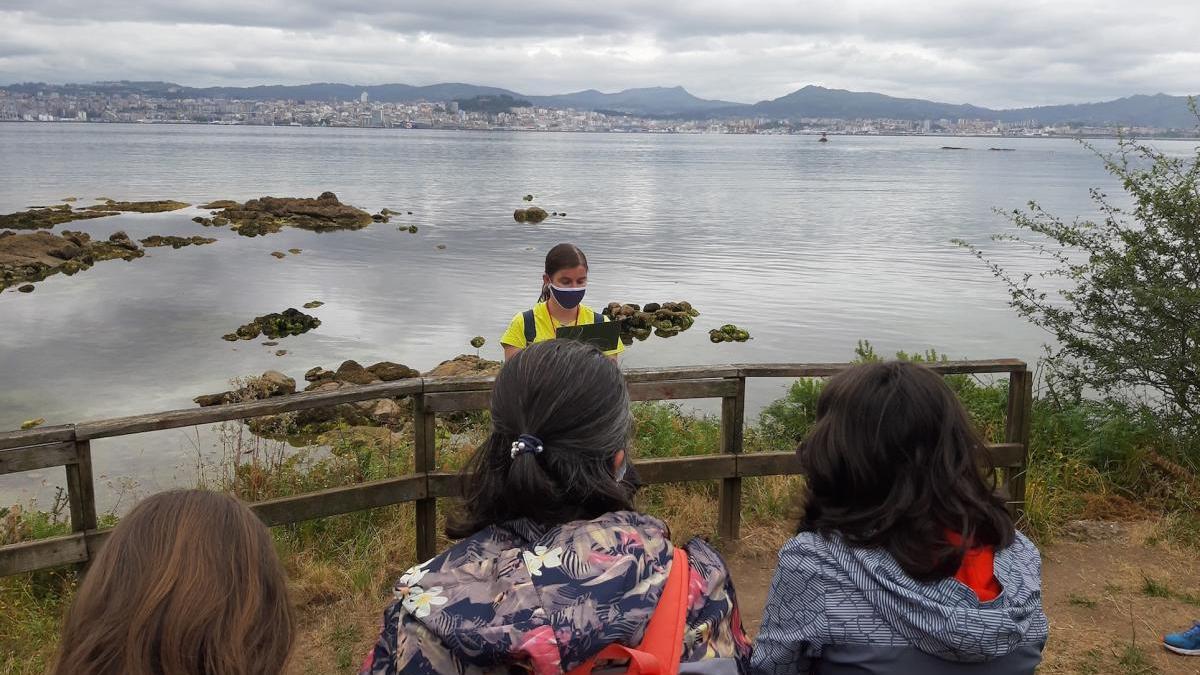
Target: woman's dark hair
[[188, 583], [561, 257], [893, 462], [572, 398]]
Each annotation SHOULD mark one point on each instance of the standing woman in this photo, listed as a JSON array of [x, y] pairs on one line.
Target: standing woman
[[561, 303]]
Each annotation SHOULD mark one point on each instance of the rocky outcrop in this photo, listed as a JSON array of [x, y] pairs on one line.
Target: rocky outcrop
[[174, 242], [290, 321], [37, 255], [156, 206], [46, 217], [533, 214], [667, 319], [270, 383], [465, 365], [728, 333], [220, 204], [267, 215]]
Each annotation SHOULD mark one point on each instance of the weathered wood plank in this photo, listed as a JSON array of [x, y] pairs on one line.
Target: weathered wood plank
[[768, 464], [684, 469], [679, 373], [664, 390], [1006, 455], [445, 484], [729, 506], [37, 436], [43, 554], [829, 369], [437, 385], [458, 401], [424, 461], [36, 457], [174, 419], [81, 489], [339, 500]]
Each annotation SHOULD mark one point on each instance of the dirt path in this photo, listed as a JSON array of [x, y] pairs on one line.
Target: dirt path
[[1109, 601]]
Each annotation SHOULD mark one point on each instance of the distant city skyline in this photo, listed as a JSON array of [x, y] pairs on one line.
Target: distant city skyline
[[999, 55]]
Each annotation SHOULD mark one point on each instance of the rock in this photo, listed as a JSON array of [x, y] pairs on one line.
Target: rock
[[1092, 530], [27, 288], [157, 206], [279, 254], [563, 214], [388, 412], [389, 212], [29, 424], [295, 251], [277, 383], [220, 204], [410, 213], [219, 221], [46, 217], [478, 341], [270, 343], [533, 214], [202, 220], [281, 352], [175, 242], [290, 321], [34, 256], [380, 218], [528, 198], [465, 365], [313, 304], [412, 229], [270, 383], [353, 373], [266, 215], [952, 147], [389, 372], [70, 199], [317, 374], [441, 247]]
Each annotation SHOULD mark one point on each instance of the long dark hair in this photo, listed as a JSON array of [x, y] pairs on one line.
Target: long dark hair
[[561, 257], [893, 462], [189, 583], [572, 398]]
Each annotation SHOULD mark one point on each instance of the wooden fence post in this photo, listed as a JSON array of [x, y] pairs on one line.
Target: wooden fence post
[[729, 511], [1017, 430], [424, 461], [81, 492]]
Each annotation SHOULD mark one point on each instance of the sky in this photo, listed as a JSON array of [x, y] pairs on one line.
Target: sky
[[1009, 53]]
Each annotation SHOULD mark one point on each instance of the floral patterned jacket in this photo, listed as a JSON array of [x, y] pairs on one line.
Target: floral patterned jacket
[[521, 597]]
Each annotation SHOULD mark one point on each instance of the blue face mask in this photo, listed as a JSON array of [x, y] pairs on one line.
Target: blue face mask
[[567, 298]]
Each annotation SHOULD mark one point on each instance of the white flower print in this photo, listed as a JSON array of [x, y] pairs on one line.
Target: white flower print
[[542, 557], [420, 602], [413, 575]]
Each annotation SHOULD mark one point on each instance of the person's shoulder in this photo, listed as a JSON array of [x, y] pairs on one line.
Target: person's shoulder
[[808, 552]]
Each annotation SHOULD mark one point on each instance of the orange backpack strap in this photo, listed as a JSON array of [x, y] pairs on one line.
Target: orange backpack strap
[[661, 649]]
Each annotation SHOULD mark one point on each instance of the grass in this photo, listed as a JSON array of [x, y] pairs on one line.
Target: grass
[[1087, 460], [1152, 588], [1081, 601]]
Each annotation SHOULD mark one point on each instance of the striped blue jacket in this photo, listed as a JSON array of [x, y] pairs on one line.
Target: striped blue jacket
[[835, 610]]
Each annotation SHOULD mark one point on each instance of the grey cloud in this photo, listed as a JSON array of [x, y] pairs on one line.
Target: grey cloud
[[1018, 53]]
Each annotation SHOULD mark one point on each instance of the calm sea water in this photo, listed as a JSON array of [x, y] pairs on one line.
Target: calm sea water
[[809, 246]]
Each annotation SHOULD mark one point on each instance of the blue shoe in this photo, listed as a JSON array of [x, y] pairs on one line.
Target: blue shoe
[[1186, 642]]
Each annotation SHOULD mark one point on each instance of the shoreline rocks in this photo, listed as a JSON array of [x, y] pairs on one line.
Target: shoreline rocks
[[267, 215], [664, 320], [728, 333], [37, 255], [154, 206], [47, 217], [175, 242], [533, 214], [290, 321]]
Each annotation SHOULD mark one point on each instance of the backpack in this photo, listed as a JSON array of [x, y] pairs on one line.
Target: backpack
[[662, 644]]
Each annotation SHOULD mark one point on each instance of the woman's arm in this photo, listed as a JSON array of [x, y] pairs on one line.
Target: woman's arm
[[510, 351]]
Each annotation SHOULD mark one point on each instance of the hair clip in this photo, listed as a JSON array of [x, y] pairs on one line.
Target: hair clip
[[526, 443]]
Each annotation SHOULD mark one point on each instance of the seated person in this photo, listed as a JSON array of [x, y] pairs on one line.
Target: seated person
[[554, 564], [905, 561], [188, 583]]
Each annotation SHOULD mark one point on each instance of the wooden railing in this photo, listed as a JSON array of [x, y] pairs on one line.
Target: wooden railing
[[70, 446]]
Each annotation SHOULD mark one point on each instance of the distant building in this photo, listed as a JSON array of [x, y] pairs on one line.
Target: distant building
[[363, 97]]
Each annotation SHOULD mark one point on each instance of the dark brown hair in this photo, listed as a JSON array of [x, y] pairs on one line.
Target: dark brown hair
[[188, 584], [572, 398], [561, 257], [893, 462]]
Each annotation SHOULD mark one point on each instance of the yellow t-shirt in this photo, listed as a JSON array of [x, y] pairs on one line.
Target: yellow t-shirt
[[515, 335]]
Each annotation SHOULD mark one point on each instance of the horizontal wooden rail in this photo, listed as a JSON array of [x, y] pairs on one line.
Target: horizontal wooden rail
[[69, 446]]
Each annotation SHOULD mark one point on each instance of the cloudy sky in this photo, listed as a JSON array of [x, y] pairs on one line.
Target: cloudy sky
[[996, 53]]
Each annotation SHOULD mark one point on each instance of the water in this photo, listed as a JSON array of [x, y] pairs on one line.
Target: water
[[809, 246]]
